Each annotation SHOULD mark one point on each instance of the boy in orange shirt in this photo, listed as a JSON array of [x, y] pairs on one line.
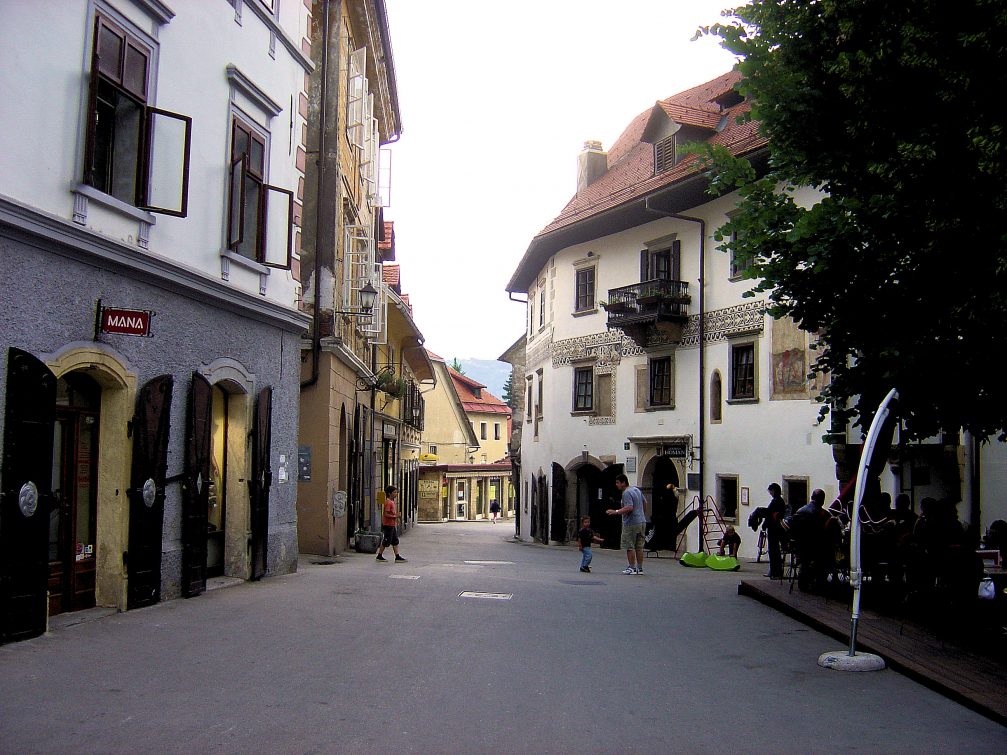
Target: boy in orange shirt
[[389, 520]]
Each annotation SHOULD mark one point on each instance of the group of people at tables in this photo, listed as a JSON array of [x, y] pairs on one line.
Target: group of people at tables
[[912, 553]]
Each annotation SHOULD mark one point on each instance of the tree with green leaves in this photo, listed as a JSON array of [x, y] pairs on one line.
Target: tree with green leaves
[[508, 391], [457, 366], [888, 107]]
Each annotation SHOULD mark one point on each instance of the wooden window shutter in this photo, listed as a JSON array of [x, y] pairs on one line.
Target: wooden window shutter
[[642, 383]]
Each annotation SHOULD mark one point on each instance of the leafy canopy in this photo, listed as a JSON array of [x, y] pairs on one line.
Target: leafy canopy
[[890, 109]]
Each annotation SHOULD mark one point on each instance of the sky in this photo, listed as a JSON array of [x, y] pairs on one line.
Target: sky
[[497, 100]]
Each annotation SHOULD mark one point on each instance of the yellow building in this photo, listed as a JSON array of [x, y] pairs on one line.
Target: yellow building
[[352, 108], [465, 465]]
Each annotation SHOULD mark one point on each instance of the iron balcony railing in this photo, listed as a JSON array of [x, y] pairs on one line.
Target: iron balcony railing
[[648, 301]]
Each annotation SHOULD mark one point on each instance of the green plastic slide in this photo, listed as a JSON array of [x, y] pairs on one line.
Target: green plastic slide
[[723, 563], [693, 559]]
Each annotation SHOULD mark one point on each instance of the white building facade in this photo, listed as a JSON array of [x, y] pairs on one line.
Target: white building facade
[[631, 311], [149, 213]]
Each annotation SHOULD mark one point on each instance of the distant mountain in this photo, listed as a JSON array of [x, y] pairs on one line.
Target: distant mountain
[[489, 372]]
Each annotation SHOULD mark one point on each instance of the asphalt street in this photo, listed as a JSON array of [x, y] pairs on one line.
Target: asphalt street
[[478, 644]]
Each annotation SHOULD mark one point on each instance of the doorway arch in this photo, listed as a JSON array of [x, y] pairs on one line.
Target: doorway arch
[[228, 514], [661, 481], [116, 383]]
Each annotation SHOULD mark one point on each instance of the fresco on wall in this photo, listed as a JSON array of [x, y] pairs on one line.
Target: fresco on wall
[[790, 360]]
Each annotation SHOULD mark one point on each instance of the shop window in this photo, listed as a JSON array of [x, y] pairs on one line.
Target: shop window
[[133, 151]]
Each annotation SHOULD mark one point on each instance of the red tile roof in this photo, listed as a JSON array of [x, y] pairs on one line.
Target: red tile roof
[[631, 161], [390, 274], [485, 401]]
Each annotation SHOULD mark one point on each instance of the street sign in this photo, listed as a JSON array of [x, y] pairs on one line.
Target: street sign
[[129, 322]]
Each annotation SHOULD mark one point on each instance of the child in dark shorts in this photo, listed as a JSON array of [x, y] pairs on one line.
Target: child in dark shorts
[[586, 537]]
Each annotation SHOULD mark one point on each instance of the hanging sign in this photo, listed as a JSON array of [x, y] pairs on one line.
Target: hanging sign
[[129, 322]]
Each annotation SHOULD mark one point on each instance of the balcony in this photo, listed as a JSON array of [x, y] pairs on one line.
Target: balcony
[[654, 308]]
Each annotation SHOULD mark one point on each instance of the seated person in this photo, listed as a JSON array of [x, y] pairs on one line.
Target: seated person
[[817, 533], [730, 542]]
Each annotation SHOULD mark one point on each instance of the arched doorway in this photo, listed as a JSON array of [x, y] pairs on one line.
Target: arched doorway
[[605, 497], [73, 520], [664, 502]]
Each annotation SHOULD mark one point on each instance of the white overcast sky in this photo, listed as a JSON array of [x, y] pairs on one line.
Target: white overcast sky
[[497, 99]]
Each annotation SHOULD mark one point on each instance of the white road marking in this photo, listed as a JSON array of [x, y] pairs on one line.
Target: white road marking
[[403, 576], [489, 562], [486, 595]]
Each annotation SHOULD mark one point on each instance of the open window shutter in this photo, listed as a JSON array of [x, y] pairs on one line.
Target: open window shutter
[[356, 96], [150, 431], [558, 532], [30, 411], [261, 481], [644, 265], [92, 108], [165, 166], [676, 260], [196, 486], [277, 212], [236, 212]]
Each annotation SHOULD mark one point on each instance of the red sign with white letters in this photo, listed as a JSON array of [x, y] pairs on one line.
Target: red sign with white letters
[[130, 322]]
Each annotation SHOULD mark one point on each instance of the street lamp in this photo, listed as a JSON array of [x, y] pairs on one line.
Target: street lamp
[[368, 295]]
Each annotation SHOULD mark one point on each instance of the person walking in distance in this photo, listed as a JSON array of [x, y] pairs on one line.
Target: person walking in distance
[[634, 522], [389, 520], [776, 511]]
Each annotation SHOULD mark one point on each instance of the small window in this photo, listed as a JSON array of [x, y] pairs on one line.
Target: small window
[[482, 431], [727, 487], [541, 308], [664, 154], [496, 431], [716, 396], [660, 381], [133, 151], [528, 404], [585, 289], [743, 371], [583, 389], [739, 263], [433, 448], [661, 264], [260, 216], [538, 402]]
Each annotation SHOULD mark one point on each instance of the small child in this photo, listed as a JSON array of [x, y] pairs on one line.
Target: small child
[[585, 538], [730, 542]]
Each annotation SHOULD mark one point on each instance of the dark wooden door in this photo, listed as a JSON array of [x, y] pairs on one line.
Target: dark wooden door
[[262, 479], [30, 411], [609, 527], [558, 531], [73, 518], [150, 428], [196, 486], [543, 508], [664, 505]]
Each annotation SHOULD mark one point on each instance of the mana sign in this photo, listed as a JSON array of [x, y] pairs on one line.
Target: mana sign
[[130, 322]]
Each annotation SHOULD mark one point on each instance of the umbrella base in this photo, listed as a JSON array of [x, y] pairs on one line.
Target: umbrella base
[[841, 660]]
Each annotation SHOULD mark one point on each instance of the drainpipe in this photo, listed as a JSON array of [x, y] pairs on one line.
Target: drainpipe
[[702, 347], [316, 319]]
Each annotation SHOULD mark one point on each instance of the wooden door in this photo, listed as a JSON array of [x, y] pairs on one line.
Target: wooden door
[[262, 479], [150, 429], [196, 486], [558, 532], [30, 407]]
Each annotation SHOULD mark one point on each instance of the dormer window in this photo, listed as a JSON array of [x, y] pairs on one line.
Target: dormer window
[[664, 154]]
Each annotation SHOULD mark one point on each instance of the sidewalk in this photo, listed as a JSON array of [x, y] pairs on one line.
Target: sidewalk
[[976, 681]]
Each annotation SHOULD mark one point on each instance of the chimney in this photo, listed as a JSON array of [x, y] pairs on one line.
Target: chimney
[[592, 163]]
